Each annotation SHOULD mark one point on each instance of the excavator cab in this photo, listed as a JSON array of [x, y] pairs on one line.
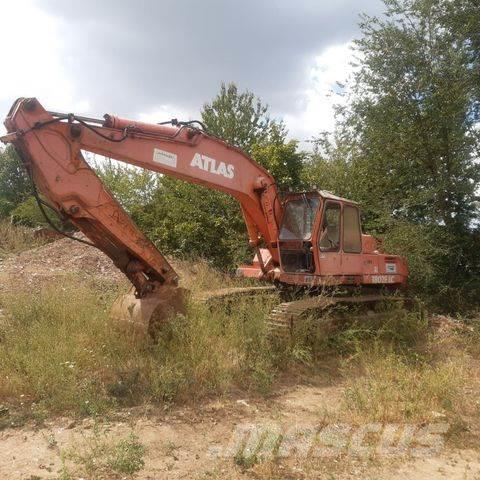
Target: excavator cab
[[317, 230]]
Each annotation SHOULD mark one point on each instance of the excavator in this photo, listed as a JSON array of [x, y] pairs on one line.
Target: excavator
[[303, 242]]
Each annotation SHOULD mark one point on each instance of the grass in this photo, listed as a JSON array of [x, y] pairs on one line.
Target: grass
[[15, 238], [387, 387], [98, 456], [393, 368], [199, 277], [60, 351]]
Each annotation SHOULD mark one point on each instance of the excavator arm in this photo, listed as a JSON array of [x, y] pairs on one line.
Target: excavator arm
[[50, 145]]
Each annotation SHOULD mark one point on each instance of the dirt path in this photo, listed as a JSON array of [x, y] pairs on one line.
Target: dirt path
[[195, 443]]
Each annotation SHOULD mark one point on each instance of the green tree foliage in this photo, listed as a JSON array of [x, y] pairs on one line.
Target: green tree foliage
[[407, 142], [16, 200], [281, 158], [133, 187], [241, 119], [14, 183], [414, 112], [28, 214], [195, 221]]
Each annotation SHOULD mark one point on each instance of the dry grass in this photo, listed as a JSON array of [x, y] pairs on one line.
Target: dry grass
[[386, 387], [198, 276], [60, 351], [15, 238], [397, 368]]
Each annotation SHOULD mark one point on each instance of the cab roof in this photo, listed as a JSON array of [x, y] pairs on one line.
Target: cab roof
[[331, 196], [325, 194]]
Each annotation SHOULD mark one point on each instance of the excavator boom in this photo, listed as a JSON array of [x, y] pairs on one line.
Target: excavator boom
[[50, 145]]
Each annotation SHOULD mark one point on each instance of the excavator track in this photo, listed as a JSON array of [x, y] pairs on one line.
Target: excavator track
[[286, 316], [233, 292]]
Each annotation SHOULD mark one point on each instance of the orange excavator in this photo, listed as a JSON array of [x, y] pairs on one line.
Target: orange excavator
[[304, 242]]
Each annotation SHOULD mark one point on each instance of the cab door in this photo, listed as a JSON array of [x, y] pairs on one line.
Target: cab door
[[352, 241], [329, 240]]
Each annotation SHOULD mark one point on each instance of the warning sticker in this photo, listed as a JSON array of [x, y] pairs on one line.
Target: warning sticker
[[391, 267], [164, 158]]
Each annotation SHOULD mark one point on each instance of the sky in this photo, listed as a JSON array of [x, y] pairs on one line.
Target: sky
[[155, 60]]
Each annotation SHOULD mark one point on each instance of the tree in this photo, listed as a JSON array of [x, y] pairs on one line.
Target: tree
[[413, 113], [281, 158], [194, 221], [133, 187], [407, 142], [15, 186], [240, 119]]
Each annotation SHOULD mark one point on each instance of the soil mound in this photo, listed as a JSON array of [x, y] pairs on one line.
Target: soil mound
[[64, 256]]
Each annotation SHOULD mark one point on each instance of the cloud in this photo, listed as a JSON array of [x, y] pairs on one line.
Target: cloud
[[148, 57], [329, 72], [32, 65]]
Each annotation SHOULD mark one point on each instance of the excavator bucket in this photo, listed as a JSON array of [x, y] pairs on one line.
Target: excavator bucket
[[145, 316]]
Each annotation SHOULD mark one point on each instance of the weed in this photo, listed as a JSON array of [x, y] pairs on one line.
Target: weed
[[51, 441], [15, 238], [52, 352], [169, 449], [100, 457], [61, 351], [386, 386], [127, 456], [64, 474], [245, 461]]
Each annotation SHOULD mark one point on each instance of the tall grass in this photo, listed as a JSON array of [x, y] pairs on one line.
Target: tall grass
[[386, 387], [15, 238], [59, 350], [394, 372], [391, 367]]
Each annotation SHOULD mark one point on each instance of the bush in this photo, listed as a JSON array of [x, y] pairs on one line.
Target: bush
[[444, 267]]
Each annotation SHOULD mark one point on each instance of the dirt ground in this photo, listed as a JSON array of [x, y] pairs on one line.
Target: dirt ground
[[181, 443], [62, 257], [187, 442]]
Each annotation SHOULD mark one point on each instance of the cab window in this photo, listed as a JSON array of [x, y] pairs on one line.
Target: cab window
[[352, 234], [330, 231], [298, 219]]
